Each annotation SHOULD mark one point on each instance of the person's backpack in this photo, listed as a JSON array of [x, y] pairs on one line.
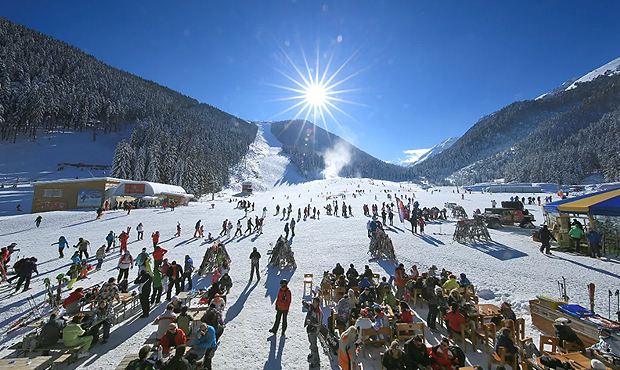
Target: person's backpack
[[19, 264]]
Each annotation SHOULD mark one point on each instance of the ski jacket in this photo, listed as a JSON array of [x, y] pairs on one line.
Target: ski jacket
[[109, 292], [157, 279], [184, 321], [575, 233], [189, 266], [450, 284], [168, 340], [254, 257], [455, 319], [71, 333], [207, 341], [163, 321], [313, 320], [83, 245], [158, 253], [145, 280], [100, 254], [74, 297], [110, 237], [123, 238], [155, 238], [125, 261], [400, 278], [283, 302], [174, 272], [26, 268]]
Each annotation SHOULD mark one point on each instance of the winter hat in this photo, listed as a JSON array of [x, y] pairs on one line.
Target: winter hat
[[364, 312], [438, 290], [597, 365], [562, 321]]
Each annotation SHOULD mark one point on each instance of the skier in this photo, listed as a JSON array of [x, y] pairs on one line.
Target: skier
[[82, 247], [110, 240], [62, 244], [140, 230], [264, 212], [277, 210], [197, 229], [229, 229], [145, 280], [283, 302], [545, 237], [178, 233], [124, 264], [100, 254], [292, 228], [286, 230], [24, 269], [313, 324], [123, 238], [224, 226], [157, 286], [249, 228], [38, 220], [254, 258], [188, 269], [158, 255], [174, 273], [155, 238], [99, 213], [142, 260], [594, 240], [239, 229]]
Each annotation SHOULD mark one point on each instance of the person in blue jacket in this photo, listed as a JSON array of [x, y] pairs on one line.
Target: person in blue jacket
[[62, 244], [204, 345]]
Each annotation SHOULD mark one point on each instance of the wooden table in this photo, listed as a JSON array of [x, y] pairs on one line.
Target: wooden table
[[487, 310], [39, 362], [577, 359]]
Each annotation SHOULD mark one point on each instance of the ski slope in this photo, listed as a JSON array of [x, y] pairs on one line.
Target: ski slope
[[510, 268]]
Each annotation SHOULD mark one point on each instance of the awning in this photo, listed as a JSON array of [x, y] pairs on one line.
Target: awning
[[604, 203]]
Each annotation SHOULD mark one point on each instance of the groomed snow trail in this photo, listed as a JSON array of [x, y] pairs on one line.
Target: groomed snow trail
[[510, 268]]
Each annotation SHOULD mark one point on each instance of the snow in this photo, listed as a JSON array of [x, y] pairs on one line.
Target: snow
[[509, 268], [608, 69], [415, 156], [265, 165]]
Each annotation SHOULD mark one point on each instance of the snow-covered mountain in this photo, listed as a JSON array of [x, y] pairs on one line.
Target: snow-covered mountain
[[415, 156], [609, 69]]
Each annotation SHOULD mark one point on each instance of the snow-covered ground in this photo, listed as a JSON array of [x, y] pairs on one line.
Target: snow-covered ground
[[508, 268]]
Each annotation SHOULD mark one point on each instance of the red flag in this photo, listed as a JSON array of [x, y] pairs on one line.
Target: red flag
[[403, 213]]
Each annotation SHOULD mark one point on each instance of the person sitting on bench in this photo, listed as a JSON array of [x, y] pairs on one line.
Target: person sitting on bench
[[51, 331], [72, 336]]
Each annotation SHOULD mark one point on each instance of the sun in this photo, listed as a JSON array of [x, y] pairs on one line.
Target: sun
[[315, 95], [317, 91]]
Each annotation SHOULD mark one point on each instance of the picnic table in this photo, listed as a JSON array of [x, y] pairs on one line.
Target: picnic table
[[576, 359], [39, 362]]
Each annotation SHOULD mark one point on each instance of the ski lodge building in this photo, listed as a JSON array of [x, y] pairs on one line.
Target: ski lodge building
[[71, 194]]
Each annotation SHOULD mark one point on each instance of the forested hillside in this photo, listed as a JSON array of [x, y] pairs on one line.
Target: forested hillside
[[563, 137], [46, 85], [315, 150]]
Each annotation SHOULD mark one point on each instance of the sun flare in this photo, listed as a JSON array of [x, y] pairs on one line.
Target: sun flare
[[317, 92]]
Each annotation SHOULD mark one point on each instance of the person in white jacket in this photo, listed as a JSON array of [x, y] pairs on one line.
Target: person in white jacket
[[124, 264]]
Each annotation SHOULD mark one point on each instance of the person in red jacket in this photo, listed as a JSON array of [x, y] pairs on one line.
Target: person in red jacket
[[174, 337], [400, 280], [454, 319], [283, 302], [123, 238], [72, 302], [155, 238], [442, 357], [158, 255]]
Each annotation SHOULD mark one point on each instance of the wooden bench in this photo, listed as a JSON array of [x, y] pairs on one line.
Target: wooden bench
[[405, 331], [486, 334], [368, 334], [125, 361], [500, 359]]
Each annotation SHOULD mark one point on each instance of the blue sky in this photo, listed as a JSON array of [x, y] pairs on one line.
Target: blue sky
[[422, 71]]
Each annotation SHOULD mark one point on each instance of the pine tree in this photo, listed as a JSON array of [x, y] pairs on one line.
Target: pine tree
[[123, 162]]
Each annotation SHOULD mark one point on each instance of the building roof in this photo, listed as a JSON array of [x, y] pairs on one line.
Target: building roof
[[85, 179], [151, 188], [604, 203]]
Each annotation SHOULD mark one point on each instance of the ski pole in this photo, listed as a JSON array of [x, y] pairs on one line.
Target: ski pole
[[609, 306]]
